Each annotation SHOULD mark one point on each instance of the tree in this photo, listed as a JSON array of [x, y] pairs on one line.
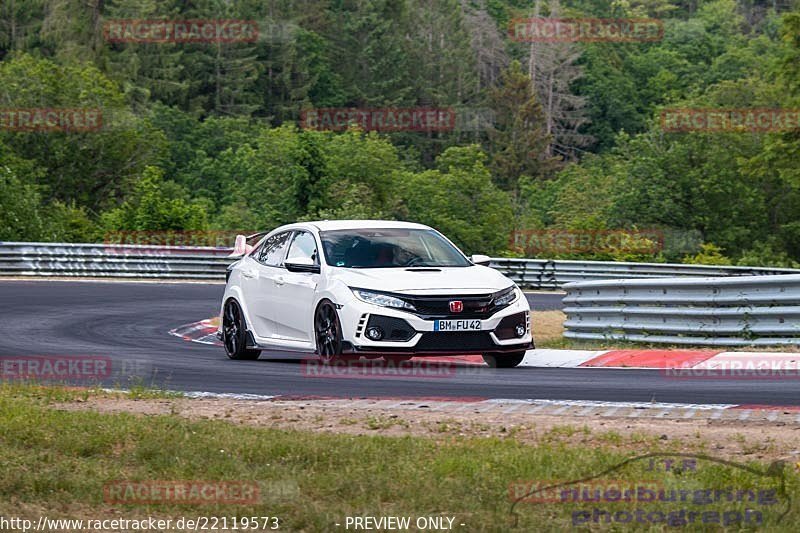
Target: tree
[[519, 142], [88, 167], [486, 43], [146, 71], [460, 200], [370, 34], [20, 219], [553, 69], [365, 163], [156, 204], [223, 75], [20, 24]]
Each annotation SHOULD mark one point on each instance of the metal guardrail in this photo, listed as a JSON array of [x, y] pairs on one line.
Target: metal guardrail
[[119, 261], [733, 311], [554, 274], [149, 261]]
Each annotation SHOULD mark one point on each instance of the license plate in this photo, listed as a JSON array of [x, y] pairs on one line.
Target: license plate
[[457, 325]]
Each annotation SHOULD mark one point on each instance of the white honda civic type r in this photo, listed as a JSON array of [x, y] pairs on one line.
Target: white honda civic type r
[[375, 288]]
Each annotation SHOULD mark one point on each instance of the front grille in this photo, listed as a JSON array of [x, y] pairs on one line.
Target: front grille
[[475, 306], [455, 341]]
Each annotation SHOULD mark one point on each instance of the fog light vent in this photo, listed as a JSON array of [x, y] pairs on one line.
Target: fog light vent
[[374, 333]]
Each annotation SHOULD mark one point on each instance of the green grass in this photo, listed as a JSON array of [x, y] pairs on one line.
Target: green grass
[[58, 461]]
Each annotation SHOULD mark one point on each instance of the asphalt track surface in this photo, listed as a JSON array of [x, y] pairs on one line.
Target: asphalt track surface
[[128, 323]]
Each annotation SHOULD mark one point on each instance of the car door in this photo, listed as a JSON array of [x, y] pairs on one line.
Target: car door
[[261, 278], [295, 292]]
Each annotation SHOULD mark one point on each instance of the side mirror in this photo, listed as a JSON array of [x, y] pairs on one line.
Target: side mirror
[[482, 260], [302, 264]]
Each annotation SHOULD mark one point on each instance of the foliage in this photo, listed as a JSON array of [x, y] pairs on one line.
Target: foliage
[[156, 204], [460, 200], [710, 254], [204, 135]]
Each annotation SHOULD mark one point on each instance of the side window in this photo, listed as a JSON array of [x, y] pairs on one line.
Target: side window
[[271, 253], [303, 247], [256, 252]]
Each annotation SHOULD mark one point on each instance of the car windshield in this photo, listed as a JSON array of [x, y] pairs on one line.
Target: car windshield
[[389, 248]]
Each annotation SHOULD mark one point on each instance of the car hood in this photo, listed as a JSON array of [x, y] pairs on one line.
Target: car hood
[[465, 280]]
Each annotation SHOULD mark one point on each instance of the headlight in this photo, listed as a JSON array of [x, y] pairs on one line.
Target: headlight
[[506, 297], [381, 299]]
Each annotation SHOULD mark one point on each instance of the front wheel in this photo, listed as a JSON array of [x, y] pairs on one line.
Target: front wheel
[[234, 333], [503, 360], [328, 332]]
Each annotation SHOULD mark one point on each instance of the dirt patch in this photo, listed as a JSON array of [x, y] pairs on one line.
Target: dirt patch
[[547, 326], [735, 440]]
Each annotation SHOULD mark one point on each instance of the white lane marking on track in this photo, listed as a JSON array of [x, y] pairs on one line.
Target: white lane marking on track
[[633, 405], [220, 395], [560, 410], [464, 406], [543, 357], [362, 403], [536, 408], [516, 406]]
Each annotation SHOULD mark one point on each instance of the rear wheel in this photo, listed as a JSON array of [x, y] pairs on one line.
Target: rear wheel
[[328, 332], [234, 333], [503, 360]]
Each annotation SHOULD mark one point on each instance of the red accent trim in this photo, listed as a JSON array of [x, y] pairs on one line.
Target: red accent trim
[[650, 358], [475, 359]]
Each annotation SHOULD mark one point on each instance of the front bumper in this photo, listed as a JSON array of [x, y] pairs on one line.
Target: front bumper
[[419, 338]]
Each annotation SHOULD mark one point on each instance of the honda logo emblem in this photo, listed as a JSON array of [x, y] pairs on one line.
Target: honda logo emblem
[[456, 306]]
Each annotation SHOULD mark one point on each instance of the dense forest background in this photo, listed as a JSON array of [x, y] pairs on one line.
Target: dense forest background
[[206, 136]]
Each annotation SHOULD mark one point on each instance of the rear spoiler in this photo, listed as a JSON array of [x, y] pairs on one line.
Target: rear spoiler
[[242, 246]]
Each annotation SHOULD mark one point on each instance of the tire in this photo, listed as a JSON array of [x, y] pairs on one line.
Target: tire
[[503, 360], [234, 333], [328, 332]]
